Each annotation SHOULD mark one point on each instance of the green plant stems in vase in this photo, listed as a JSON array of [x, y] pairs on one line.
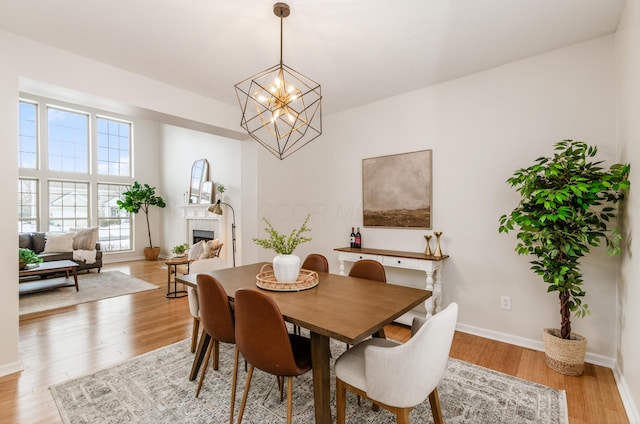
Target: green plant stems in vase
[[427, 251]]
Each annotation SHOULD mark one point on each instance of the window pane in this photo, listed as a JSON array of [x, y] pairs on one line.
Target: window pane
[[114, 223], [68, 141], [114, 145], [27, 205], [68, 205], [27, 135]]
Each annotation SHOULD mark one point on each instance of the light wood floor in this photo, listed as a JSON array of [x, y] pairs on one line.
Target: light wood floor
[[70, 342]]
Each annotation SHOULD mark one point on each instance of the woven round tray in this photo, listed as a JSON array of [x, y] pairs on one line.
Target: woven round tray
[[267, 280]]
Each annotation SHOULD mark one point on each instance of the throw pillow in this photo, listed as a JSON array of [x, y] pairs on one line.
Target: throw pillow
[[85, 238], [38, 241], [211, 249], [196, 250], [59, 242]]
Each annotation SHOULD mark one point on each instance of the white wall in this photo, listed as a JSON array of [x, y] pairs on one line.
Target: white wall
[[481, 128], [628, 301], [180, 148], [28, 64]]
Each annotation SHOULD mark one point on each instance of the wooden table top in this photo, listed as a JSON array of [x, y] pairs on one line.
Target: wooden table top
[[340, 307]]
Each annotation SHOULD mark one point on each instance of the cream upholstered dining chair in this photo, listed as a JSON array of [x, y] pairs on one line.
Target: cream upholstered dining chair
[[398, 376], [369, 270], [263, 340], [194, 308]]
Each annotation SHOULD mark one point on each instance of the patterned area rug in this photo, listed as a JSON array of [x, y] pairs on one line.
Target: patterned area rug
[[93, 286], [155, 388]]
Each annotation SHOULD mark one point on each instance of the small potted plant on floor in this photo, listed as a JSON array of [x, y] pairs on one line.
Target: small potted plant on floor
[[286, 265], [565, 209], [27, 257], [142, 197]]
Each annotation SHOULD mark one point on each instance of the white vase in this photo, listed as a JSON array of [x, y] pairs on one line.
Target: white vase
[[286, 268]]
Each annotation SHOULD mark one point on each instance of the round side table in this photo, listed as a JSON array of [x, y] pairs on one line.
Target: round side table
[[174, 262]]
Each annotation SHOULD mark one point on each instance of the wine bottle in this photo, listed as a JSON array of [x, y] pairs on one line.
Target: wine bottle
[[352, 238], [358, 239]]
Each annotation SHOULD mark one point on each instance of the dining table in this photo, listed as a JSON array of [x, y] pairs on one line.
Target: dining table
[[339, 307]]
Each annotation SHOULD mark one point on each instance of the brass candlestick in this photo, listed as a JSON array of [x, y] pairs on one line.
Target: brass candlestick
[[438, 252], [427, 251]]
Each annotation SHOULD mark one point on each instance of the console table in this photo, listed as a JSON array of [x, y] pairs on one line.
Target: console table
[[431, 265]]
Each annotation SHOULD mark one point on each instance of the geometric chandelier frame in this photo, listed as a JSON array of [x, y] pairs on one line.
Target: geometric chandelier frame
[[281, 108]]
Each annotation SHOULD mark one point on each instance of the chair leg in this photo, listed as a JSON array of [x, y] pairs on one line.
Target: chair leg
[[340, 401], [281, 386], [207, 355], [402, 415], [434, 400], [234, 383], [289, 399], [194, 334], [216, 353], [246, 392]]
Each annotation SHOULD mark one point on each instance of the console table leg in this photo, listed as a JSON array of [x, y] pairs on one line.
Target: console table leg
[[429, 303]]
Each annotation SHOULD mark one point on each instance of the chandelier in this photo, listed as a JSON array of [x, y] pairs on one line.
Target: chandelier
[[281, 108]]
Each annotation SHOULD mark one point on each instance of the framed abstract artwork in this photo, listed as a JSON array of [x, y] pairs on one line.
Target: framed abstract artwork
[[396, 190]]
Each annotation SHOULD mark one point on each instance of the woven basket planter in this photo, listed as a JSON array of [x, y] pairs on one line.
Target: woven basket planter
[[564, 356]]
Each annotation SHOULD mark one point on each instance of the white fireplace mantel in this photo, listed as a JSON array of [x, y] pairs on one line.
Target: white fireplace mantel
[[197, 217]]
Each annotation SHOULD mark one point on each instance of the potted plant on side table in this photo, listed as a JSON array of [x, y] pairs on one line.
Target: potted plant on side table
[[142, 197], [564, 210], [286, 265]]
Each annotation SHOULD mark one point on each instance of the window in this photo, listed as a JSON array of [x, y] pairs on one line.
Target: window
[[114, 147], [28, 135], [68, 205], [28, 205], [74, 163], [114, 223], [68, 140]]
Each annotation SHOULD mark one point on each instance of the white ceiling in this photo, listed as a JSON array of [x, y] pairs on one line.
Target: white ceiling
[[360, 51]]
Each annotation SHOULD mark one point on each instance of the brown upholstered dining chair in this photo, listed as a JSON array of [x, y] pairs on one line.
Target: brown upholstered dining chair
[[217, 320], [316, 262], [263, 340], [369, 269]]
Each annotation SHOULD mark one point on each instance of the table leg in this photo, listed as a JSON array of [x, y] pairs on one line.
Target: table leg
[[203, 344], [74, 270], [168, 280], [321, 380]]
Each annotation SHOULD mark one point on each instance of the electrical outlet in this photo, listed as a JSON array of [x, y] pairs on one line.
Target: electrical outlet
[[505, 302]]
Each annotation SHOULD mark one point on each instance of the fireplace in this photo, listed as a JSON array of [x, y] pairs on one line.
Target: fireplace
[[199, 235]]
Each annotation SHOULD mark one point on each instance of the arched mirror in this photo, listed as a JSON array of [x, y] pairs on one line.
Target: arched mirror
[[199, 174]]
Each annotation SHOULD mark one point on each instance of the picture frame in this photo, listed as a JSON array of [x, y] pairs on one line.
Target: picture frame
[[206, 192], [397, 190]]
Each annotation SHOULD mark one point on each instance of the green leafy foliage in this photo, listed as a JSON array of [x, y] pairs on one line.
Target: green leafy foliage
[[564, 211], [180, 248], [141, 197], [280, 243], [28, 256]]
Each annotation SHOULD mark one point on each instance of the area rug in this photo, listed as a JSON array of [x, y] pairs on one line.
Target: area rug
[[155, 388], [93, 286]]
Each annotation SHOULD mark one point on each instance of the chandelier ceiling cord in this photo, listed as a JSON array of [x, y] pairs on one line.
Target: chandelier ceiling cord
[[281, 108]]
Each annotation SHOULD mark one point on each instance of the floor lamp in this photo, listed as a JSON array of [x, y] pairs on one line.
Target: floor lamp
[[218, 211]]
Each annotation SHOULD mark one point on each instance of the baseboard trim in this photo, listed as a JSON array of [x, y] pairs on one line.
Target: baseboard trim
[[11, 368], [591, 358], [627, 399]]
